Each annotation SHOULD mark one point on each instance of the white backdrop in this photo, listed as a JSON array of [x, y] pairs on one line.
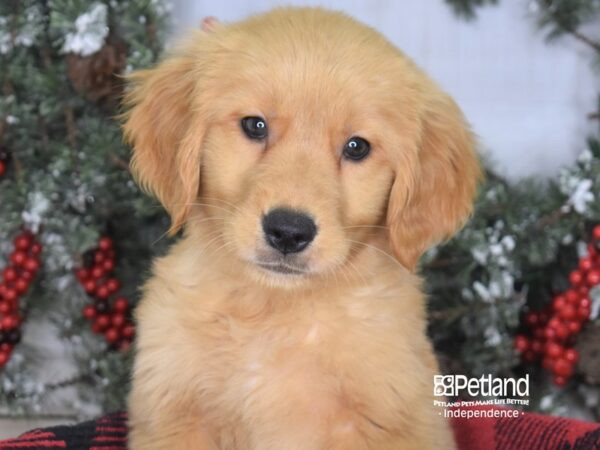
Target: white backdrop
[[526, 99]]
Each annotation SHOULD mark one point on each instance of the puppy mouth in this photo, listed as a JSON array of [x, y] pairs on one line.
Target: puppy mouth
[[282, 268]]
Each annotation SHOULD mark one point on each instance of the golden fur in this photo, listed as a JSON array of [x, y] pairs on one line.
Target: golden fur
[[231, 356]]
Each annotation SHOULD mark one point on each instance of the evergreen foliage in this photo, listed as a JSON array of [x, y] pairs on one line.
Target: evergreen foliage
[[67, 179]]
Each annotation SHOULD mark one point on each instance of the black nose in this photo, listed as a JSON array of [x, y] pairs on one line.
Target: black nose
[[288, 231]]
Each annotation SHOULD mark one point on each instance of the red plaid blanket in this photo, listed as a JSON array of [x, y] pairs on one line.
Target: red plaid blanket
[[528, 431]]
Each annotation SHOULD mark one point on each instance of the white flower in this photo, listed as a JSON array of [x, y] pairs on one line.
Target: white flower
[[482, 291], [567, 239], [508, 283], [509, 243], [496, 249], [492, 336], [33, 216], [581, 196], [480, 255], [90, 31], [582, 249], [585, 156], [5, 39], [578, 190]]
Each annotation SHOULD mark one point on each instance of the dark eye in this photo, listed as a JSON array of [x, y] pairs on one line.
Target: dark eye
[[255, 127], [356, 148]]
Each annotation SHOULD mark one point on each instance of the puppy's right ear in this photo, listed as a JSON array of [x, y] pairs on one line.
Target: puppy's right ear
[[158, 124]]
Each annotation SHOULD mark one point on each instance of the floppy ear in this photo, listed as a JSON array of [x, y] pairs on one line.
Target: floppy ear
[[438, 198], [158, 125]]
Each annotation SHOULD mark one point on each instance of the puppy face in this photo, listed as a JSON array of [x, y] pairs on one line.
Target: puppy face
[[296, 140]]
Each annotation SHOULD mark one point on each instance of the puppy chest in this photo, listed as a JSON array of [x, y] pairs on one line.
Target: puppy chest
[[322, 369]]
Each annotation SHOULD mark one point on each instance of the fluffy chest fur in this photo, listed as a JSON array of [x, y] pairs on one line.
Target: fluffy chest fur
[[239, 357]]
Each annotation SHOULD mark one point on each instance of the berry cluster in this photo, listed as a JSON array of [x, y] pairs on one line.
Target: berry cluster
[[16, 279], [553, 331], [110, 313]]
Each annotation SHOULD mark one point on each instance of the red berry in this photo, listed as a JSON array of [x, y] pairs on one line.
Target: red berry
[[572, 355], [5, 307], [103, 321], [585, 264], [105, 243], [99, 257], [27, 275], [18, 257], [593, 277], [96, 328], [554, 322], [108, 265], [113, 285], [559, 303], [6, 347], [82, 274], [572, 296], [2, 171], [9, 322], [568, 312], [553, 350], [23, 242], [21, 285], [521, 343], [129, 332], [3, 355], [118, 320], [562, 368], [102, 292], [560, 381], [531, 319], [583, 313], [31, 265], [89, 312], [562, 332], [11, 294], [112, 335], [9, 274], [89, 286], [550, 333], [121, 304], [596, 233], [574, 327], [36, 249], [124, 345], [591, 250], [583, 291], [97, 272], [585, 303], [575, 277]]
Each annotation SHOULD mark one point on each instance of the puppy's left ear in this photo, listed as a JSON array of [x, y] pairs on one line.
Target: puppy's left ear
[[166, 137], [432, 203]]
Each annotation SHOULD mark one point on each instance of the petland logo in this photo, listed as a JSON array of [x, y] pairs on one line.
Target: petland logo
[[485, 386]]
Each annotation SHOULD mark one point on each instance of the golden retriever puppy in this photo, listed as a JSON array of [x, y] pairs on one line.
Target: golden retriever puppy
[[310, 164]]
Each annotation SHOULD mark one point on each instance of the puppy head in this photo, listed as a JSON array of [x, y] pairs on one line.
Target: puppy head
[[297, 140]]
